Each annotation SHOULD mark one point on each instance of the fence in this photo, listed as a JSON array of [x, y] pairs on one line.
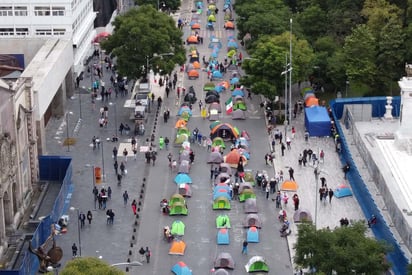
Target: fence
[[381, 230]]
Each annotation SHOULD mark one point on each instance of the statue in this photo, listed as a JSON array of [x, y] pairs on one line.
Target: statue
[[51, 257], [408, 70]]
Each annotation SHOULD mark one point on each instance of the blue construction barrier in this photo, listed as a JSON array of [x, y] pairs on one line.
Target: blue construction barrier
[[381, 230], [56, 170]]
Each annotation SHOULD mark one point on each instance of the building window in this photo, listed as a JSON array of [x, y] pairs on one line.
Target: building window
[[59, 31], [58, 11], [6, 31], [6, 11], [43, 32], [42, 11], [22, 31], [20, 11]]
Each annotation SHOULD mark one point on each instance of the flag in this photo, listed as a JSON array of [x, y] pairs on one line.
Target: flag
[[229, 106]]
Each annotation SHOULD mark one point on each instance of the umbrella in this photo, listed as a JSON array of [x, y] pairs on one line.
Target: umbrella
[[196, 26], [99, 37], [238, 92], [182, 178], [181, 269], [193, 74], [217, 74], [234, 80]]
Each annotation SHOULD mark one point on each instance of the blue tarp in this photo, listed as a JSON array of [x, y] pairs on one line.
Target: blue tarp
[[317, 121], [252, 235], [342, 192], [223, 236]]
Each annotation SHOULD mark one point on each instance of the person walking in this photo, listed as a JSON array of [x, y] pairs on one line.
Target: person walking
[[142, 252], [283, 147], [74, 250], [134, 207], [148, 253], [330, 195], [115, 166], [125, 198], [109, 193], [291, 171], [200, 105], [296, 201], [267, 191], [89, 216], [115, 153], [125, 153], [154, 158], [82, 218], [244, 247]]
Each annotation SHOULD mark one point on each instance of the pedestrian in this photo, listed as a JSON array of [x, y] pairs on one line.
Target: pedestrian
[[272, 184], [153, 158], [165, 117], [134, 207], [74, 250], [321, 191], [285, 199], [283, 149], [296, 201], [200, 105], [322, 155], [244, 247], [217, 172], [122, 169], [330, 195], [278, 200], [142, 252], [288, 142], [167, 141], [191, 157], [119, 179], [89, 216], [95, 193], [293, 132], [109, 193], [346, 169], [125, 197], [306, 136], [161, 143], [267, 191], [148, 253], [291, 171], [82, 218], [115, 153], [212, 172], [133, 142], [134, 154], [125, 153]]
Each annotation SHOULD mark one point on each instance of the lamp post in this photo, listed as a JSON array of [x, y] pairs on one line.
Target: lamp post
[[285, 72], [347, 88], [115, 117], [78, 228], [290, 72], [103, 172], [67, 130]]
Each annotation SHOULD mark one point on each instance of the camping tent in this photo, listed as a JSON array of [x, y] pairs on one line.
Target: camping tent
[[213, 114], [221, 203], [183, 130], [317, 121], [221, 192], [218, 141], [245, 185], [239, 105], [238, 114], [221, 271], [223, 221], [342, 191], [256, 264], [233, 158], [252, 220], [302, 215], [250, 206], [252, 235], [246, 194], [184, 167], [224, 260], [216, 106], [223, 236], [178, 208], [225, 168], [177, 247], [225, 131], [176, 198], [178, 228], [182, 178], [289, 185], [215, 158], [181, 269], [185, 190], [222, 177]]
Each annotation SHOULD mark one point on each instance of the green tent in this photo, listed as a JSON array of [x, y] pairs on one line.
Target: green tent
[[183, 130], [178, 228], [176, 198], [239, 105], [246, 194], [218, 141], [249, 177], [223, 221], [181, 138], [185, 115], [211, 18], [210, 86], [178, 208], [221, 203], [256, 264]]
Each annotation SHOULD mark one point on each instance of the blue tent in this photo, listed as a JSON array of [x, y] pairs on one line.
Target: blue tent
[[238, 92], [223, 236], [214, 54], [246, 155], [182, 178], [342, 191], [317, 121], [234, 80], [219, 187], [219, 89], [252, 235], [221, 194], [214, 42], [184, 109], [217, 74], [232, 44], [181, 269]]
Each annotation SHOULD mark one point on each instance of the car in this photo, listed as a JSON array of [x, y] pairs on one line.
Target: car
[[142, 99]]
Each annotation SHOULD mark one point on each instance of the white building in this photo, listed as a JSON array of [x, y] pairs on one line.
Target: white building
[[69, 19]]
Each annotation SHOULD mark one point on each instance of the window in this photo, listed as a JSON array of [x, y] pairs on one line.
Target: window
[[59, 31], [20, 11], [6, 31], [22, 31], [6, 11], [42, 11], [58, 11], [43, 32]]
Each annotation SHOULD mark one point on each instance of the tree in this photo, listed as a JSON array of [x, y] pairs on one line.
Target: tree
[[140, 34], [345, 250], [89, 266]]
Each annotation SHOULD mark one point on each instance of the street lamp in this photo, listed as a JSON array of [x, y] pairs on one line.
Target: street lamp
[[290, 72], [347, 88], [115, 117], [103, 172], [285, 72], [78, 229], [67, 130]]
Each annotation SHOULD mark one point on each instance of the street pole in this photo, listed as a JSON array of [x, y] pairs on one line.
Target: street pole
[[316, 197], [67, 132], [115, 117], [346, 90], [290, 76], [80, 103], [286, 93], [103, 173]]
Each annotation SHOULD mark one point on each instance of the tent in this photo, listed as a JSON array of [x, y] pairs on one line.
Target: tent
[[183, 130], [223, 221], [221, 203], [183, 178], [238, 114], [210, 86], [217, 74], [193, 74], [256, 264], [317, 121], [223, 236], [239, 105], [222, 177], [289, 185], [213, 124], [192, 40], [215, 158], [184, 155], [342, 191], [181, 269], [178, 208], [238, 92], [180, 123], [221, 187], [245, 185], [180, 139], [184, 109], [177, 247], [216, 106], [218, 141], [219, 89], [185, 190], [196, 65], [221, 271], [233, 158], [250, 206], [224, 260], [211, 98], [234, 80], [242, 142], [221, 193], [196, 26], [232, 44], [184, 167], [178, 228], [302, 215], [225, 131], [190, 98], [176, 198], [211, 18], [212, 92], [252, 235], [252, 220], [311, 101], [246, 194], [225, 168], [224, 84], [229, 25]]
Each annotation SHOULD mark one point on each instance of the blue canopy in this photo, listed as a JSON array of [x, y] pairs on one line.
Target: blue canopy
[[217, 74], [219, 89], [221, 194], [317, 121], [181, 269], [183, 178], [342, 191], [232, 44], [223, 236], [234, 80], [184, 109], [238, 92], [252, 235]]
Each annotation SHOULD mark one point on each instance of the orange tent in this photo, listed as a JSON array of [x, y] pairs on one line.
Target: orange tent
[[233, 157], [192, 40], [196, 26], [178, 247], [312, 101], [196, 65], [193, 74], [224, 84], [289, 185], [229, 25], [180, 123]]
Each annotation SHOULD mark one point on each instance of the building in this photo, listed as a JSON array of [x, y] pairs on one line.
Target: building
[[42, 19]]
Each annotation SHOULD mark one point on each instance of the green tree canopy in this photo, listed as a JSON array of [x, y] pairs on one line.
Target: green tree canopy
[[89, 266], [345, 250], [140, 34]]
